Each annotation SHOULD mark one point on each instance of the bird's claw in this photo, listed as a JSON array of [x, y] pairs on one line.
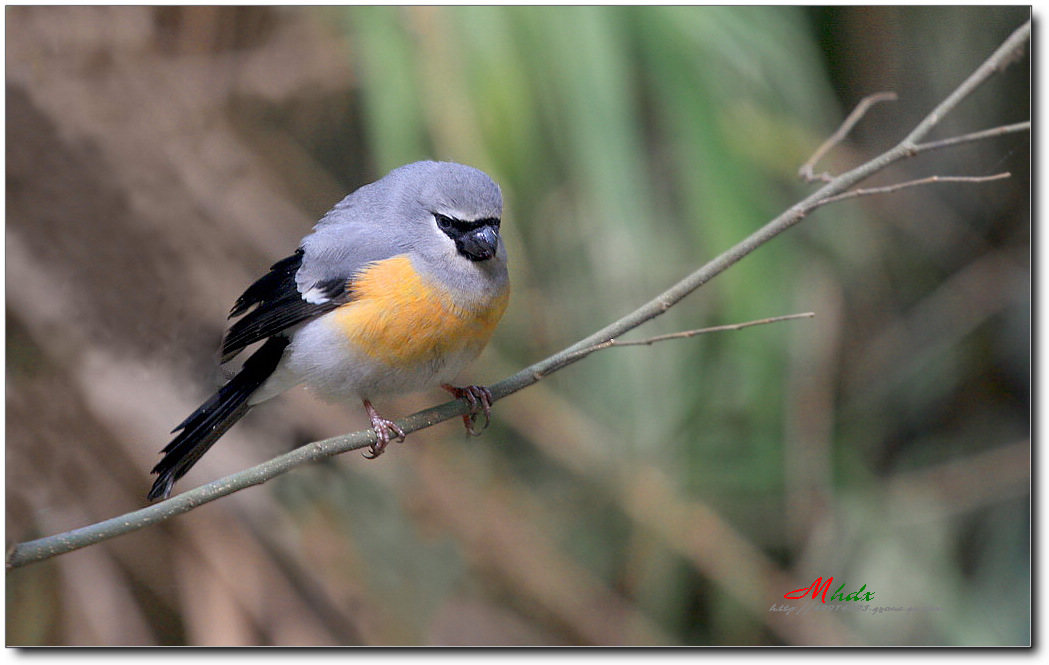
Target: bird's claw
[[480, 400], [385, 431]]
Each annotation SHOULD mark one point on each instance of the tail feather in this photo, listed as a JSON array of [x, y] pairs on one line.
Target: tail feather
[[203, 427]]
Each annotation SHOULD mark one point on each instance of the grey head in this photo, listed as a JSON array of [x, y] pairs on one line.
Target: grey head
[[444, 215]]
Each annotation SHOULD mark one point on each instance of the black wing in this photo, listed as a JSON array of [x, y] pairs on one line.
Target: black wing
[[268, 308], [276, 304]]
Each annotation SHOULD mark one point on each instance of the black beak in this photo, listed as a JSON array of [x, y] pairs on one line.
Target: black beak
[[478, 244]]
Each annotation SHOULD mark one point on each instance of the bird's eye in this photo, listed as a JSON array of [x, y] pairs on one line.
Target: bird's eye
[[443, 223]]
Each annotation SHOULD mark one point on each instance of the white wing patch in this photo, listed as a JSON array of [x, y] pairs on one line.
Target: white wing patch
[[317, 295]]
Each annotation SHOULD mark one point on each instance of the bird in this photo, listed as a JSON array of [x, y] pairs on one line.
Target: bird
[[397, 289]]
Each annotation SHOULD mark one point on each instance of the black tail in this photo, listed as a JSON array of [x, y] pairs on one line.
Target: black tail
[[203, 427]]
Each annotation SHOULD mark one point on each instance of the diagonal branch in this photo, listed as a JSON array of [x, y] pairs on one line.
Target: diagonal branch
[[44, 548], [1008, 52]]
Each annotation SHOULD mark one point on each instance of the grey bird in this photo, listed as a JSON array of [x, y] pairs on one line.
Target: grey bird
[[398, 288]]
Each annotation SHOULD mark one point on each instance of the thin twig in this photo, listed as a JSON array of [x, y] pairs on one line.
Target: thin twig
[[837, 137], [975, 136], [684, 334], [888, 189], [44, 548]]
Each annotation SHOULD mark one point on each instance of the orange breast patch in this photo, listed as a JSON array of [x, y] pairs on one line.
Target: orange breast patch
[[403, 318]]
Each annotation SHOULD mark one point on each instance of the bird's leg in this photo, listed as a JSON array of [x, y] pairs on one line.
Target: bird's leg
[[385, 430], [480, 400]]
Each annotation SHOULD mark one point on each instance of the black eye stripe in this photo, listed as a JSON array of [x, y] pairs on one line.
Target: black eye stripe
[[446, 223]]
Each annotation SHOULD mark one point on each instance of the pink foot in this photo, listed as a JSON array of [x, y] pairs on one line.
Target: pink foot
[[385, 430], [480, 400]]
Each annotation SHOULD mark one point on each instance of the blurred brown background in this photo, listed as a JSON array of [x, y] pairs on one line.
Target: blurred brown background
[[158, 159]]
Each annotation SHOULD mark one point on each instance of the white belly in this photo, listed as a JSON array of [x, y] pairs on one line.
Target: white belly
[[322, 358]]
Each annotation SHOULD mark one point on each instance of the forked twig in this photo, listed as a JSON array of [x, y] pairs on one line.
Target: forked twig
[[994, 132], [684, 334], [837, 137], [888, 189]]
